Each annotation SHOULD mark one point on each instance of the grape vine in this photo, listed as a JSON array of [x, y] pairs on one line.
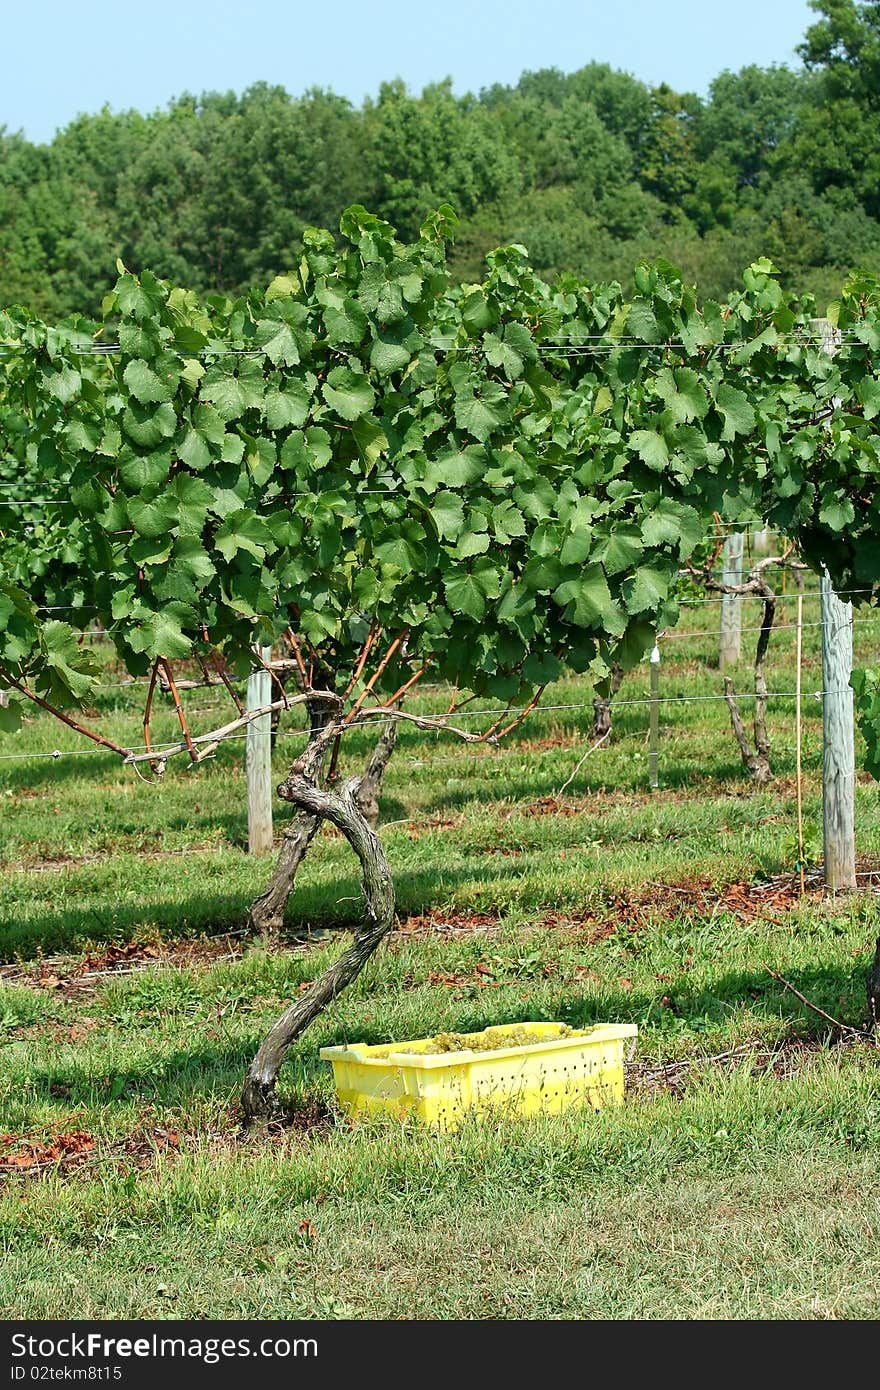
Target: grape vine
[[491, 483]]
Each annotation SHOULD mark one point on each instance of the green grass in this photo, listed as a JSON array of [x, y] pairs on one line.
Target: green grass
[[746, 1187]]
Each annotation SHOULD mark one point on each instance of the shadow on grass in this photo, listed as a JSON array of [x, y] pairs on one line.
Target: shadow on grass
[[209, 1070], [72, 928], [205, 1071], [38, 770], [678, 1008], [724, 779]]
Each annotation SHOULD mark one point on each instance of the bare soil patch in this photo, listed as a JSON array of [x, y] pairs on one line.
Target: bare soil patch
[[73, 1153]]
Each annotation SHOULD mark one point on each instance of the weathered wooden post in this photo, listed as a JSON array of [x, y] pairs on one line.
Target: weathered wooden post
[[838, 716], [654, 732], [731, 604], [258, 760], [838, 740]]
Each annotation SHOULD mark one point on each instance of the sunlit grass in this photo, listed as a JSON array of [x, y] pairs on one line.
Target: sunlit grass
[[748, 1190]]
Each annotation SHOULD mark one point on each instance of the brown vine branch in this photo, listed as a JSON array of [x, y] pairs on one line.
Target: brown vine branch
[[768, 615], [820, 418], [273, 675], [408, 685], [148, 708], [209, 683], [372, 636], [454, 709], [491, 736], [207, 678], [298, 655], [844, 1027], [523, 714], [341, 809], [719, 540], [757, 764], [216, 736], [314, 662], [401, 638], [65, 719], [334, 758], [704, 570], [421, 721], [487, 735], [181, 717], [217, 663], [602, 702]]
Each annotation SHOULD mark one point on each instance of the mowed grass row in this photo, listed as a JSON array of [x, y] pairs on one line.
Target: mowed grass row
[[744, 1186]]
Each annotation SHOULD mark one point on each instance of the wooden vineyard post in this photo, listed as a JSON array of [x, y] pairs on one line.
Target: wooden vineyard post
[[654, 725], [838, 718], [258, 760], [731, 604], [838, 740]]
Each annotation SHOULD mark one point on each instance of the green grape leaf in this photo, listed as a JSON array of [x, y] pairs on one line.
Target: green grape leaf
[[868, 392], [140, 471], [586, 597], [738, 415], [144, 384], [189, 571], [467, 591], [148, 425], [194, 452], [682, 393], [646, 590], [620, 551], [161, 633], [278, 343], [151, 519], [193, 498], [288, 407], [651, 448], [447, 512], [348, 394], [243, 530], [480, 415]]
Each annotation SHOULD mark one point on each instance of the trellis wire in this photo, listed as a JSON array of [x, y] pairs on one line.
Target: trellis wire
[[684, 602], [158, 749], [557, 346]]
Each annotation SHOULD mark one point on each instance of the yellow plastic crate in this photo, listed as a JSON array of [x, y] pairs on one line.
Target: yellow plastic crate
[[580, 1067]]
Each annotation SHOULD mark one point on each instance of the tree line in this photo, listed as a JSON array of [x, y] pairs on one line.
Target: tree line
[[592, 170]]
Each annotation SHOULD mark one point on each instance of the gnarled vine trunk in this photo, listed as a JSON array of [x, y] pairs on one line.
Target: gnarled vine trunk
[[757, 762], [267, 911], [342, 810], [370, 782], [602, 701]]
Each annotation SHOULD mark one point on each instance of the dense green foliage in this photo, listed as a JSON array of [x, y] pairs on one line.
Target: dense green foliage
[[592, 170], [866, 683], [510, 476]]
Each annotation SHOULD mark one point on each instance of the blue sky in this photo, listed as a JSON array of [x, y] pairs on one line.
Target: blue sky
[[62, 58]]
